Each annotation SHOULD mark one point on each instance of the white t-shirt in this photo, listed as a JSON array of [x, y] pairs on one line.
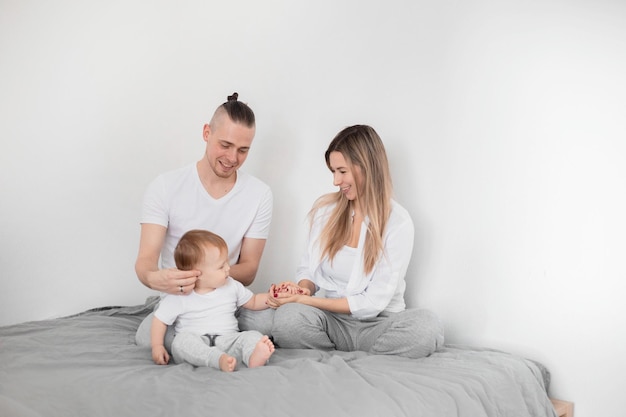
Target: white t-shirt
[[211, 313], [178, 201]]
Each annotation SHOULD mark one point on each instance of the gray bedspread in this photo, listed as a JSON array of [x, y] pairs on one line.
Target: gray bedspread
[[88, 365]]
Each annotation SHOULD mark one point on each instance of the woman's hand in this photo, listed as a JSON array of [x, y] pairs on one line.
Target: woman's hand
[[289, 288], [286, 292], [278, 299]]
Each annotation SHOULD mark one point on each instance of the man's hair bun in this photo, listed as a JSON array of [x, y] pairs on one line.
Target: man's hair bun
[[233, 97]]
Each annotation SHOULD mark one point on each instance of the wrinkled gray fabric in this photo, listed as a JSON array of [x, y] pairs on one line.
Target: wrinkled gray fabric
[[89, 365]]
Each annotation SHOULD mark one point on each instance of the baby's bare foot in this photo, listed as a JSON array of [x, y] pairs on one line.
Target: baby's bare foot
[[262, 352], [227, 363]]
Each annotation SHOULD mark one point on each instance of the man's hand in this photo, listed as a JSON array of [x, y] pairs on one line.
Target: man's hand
[[173, 281]]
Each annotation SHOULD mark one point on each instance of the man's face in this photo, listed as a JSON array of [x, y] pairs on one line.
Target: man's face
[[228, 144]]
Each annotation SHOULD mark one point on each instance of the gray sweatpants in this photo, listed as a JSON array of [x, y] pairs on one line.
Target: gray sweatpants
[[196, 350], [260, 321], [412, 333]]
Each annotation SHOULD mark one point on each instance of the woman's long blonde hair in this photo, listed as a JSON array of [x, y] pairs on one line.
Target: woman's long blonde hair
[[361, 147]]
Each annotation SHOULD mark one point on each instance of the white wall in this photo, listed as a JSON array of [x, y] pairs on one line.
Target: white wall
[[504, 122]]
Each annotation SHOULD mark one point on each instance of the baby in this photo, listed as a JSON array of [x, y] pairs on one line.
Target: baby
[[206, 329]]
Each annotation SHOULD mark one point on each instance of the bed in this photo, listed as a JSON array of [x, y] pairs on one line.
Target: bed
[[88, 365]]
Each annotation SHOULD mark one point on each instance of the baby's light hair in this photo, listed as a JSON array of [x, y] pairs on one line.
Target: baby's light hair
[[190, 248]]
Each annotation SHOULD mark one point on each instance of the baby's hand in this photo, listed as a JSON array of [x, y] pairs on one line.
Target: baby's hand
[[160, 355]]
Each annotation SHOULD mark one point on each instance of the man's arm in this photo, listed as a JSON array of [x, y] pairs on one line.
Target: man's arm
[[245, 270], [147, 264]]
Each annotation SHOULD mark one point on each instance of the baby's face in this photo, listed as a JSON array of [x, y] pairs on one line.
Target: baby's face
[[214, 269]]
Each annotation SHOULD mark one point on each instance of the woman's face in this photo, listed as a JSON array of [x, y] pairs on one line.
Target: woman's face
[[345, 176]]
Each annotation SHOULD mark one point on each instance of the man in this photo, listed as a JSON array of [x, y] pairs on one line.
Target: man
[[214, 195]]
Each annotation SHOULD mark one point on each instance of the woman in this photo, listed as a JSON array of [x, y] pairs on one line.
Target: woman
[[359, 247]]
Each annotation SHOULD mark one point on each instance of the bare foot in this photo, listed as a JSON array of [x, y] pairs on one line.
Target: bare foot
[[227, 363], [262, 352]]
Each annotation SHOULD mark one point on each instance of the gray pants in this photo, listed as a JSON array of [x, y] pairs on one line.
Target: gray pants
[[260, 321], [413, 333], [197, 350]]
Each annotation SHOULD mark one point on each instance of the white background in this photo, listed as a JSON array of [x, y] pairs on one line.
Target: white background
[[504, 123]]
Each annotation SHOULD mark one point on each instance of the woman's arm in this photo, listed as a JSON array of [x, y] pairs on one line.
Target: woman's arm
[[334, 305]]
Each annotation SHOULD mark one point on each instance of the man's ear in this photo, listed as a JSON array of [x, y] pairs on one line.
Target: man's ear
[[206, 132]]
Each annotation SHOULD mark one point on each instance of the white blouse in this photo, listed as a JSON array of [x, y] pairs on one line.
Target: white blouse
[[368, 294]]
